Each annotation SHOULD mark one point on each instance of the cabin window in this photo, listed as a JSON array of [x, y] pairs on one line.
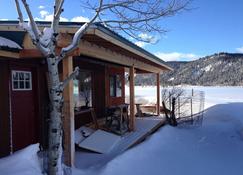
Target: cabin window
[[115, 86], [21, 80], [83, 90]]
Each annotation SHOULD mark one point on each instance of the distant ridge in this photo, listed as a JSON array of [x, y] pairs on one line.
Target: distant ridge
[[220, 69]]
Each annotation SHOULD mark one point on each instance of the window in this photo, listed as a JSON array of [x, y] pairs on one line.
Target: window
[[115, 86], [83, 90], [21, 80]]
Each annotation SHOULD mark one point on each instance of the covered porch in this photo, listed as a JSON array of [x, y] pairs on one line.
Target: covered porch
[[112, 64], [104, 56]]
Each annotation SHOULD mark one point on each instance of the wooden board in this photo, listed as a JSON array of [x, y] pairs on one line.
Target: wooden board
[[68, 111], [100, 142], [144, 128]]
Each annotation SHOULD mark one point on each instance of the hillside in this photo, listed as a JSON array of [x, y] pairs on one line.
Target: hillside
[[223, 69]]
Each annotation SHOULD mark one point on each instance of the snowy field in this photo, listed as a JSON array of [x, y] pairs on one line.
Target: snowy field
[[215, 148]]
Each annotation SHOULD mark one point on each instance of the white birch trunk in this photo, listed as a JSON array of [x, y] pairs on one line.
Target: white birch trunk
[[55, 125]]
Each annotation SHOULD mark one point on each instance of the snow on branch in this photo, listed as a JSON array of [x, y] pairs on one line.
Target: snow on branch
[[77, 36], [30, 27]]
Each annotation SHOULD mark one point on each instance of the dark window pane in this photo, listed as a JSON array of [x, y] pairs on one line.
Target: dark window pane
[[83, 90], [27, 76], [15, 85], [21, 84], [21, 75], [14, 76], [27, 85], [118, 86], [112, 86]]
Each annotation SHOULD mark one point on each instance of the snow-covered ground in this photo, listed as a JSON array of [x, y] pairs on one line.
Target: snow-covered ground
[[214, 148]]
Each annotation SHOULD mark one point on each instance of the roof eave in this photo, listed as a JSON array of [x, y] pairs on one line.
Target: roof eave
[[147, 55]]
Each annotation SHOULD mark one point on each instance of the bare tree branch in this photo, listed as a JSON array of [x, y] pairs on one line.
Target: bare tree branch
[[56, 16], [77, 36], [19, 11], [32, 21], [31, 28], [74, 74], [138, 16]]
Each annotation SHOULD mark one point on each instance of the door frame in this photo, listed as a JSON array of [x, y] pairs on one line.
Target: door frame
[[34, 69]]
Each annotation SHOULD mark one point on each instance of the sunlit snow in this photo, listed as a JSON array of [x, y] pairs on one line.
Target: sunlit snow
[[216, 147]]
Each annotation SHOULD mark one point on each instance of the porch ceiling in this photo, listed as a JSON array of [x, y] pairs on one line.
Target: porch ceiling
[[117, 43], [93, 39]]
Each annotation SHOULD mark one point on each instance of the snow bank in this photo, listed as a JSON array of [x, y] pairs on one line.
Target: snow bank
[[214, 148], [8, 43], [23, 162]]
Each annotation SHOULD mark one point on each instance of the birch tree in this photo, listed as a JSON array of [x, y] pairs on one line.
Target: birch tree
[[132, 17]]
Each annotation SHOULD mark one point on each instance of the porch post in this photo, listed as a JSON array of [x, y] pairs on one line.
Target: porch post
[[158, 93], [68, 111], [132, 99]]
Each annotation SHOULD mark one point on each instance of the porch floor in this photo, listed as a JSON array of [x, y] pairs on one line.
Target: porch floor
[[144, 127]]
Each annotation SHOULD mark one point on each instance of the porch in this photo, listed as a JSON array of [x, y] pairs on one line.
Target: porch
[[108, 63], [144, 127], [102, 53]]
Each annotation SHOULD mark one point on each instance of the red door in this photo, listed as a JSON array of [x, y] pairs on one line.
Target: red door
[[23, 107]]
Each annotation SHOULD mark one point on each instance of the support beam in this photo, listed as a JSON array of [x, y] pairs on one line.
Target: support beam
[[158, 93], [96, 51], [68, 120], [9, 54], [30, 53], [132, 98]]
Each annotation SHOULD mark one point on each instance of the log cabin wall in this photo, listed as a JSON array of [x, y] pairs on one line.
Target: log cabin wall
[[4, 110]]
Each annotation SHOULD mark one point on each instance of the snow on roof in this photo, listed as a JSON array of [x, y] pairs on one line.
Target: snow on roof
[[4, 42]]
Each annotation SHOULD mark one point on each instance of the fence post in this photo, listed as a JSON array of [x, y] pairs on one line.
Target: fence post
[[179, 105], [170, 100], [191, 105], [173, 118]]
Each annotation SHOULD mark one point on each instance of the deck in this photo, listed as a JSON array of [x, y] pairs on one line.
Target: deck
[[144, 127]]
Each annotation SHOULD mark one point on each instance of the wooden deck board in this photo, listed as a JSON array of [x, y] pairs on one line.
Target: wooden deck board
[[144, 128]]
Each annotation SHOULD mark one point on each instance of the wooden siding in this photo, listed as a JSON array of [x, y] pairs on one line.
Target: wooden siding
[[4, 110], [43, 108], [40, 101]]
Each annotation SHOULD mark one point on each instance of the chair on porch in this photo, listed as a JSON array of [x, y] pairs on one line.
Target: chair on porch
[[117, 119]]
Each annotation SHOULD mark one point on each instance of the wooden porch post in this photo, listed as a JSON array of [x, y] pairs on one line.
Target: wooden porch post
[[132, 98], [68, 111], [158, 93]]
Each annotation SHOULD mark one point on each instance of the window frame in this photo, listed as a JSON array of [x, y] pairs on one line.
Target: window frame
[[113, 90], [29, 73], [79, 96]]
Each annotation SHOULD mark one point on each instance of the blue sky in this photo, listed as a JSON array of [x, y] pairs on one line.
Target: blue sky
[[213, 26]]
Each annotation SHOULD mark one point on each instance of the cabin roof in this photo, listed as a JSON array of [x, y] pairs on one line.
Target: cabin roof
[[10, 30]]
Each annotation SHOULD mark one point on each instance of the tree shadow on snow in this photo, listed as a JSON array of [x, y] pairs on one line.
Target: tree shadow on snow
[[224, 111], [217, 113]]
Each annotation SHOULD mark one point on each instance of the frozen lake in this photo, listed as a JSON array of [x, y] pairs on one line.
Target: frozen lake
[[213, 95]]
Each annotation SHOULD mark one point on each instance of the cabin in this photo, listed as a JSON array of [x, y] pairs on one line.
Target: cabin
[[105, 60]]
